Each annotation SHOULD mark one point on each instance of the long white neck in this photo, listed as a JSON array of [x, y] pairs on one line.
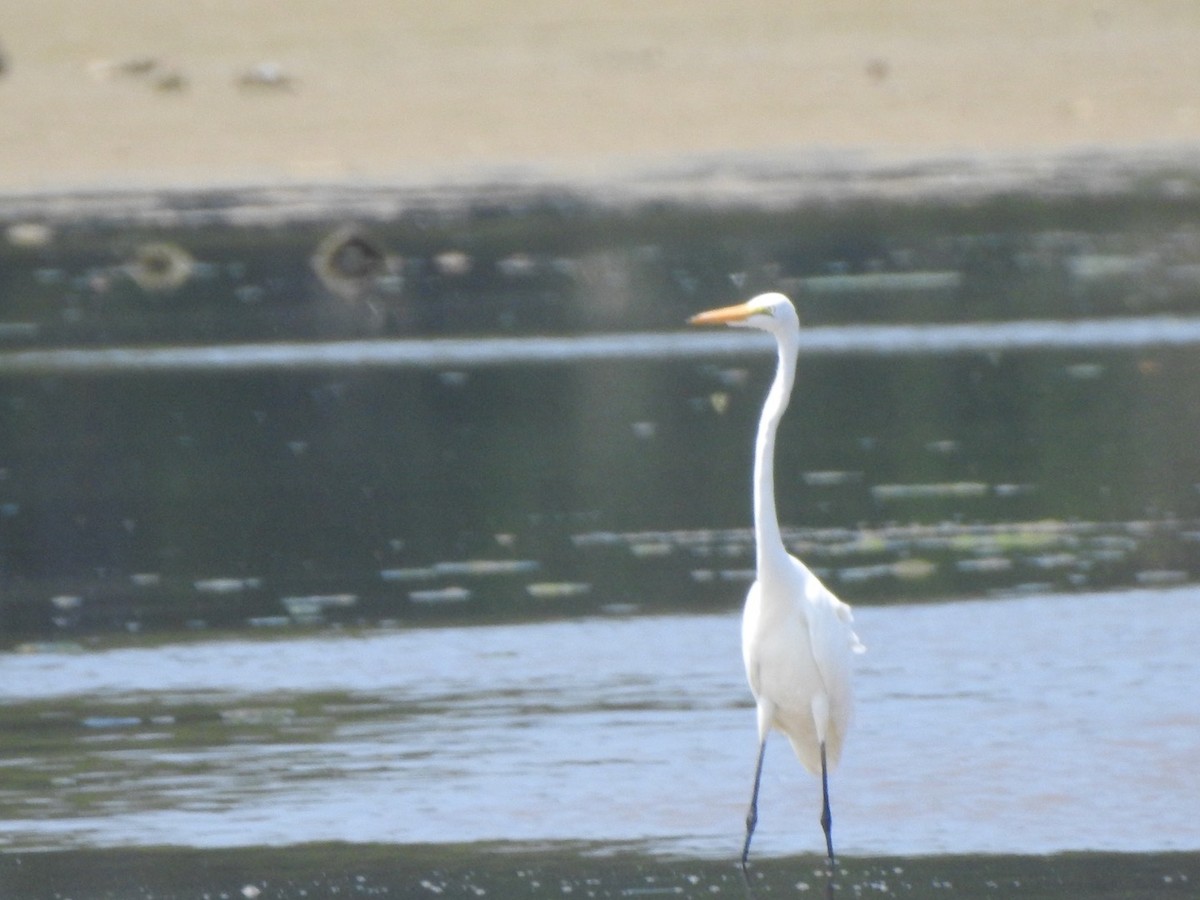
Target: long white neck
[[768, 540]]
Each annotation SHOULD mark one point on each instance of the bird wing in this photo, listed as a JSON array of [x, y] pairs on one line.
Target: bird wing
[[833, 643], [844, 613]]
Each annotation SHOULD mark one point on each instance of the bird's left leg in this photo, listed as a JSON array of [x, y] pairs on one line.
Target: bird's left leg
[[752, 813], [826, 816]]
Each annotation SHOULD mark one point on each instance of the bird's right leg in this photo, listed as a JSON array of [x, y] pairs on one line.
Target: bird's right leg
[[826, 816], [752, 813]]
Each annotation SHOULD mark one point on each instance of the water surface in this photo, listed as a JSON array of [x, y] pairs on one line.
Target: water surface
[[1032, 725]]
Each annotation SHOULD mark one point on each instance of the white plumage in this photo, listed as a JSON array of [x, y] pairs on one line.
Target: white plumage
[[797, 637]]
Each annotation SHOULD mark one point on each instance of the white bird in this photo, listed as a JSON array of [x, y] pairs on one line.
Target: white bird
[[797, 637]]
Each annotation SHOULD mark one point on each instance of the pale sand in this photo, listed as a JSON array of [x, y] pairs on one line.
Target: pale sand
[[428, 89]]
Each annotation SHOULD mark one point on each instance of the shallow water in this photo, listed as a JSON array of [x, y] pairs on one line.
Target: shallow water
[[1030, 725]]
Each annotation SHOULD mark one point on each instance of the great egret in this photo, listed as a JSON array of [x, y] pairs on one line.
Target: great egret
[[797, 637]]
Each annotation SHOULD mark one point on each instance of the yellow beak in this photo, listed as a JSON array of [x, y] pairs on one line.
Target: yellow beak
[[724, 315]]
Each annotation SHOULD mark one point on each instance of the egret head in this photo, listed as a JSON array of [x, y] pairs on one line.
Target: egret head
[[767, 312]]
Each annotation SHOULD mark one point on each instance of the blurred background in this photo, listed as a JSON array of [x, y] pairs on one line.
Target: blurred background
[[360, 485]]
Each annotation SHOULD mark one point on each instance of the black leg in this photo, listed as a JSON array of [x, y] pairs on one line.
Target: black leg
[[826, 816], [752, 813]]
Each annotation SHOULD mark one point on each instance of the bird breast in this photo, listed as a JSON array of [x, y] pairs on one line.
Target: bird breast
[[797, 644]]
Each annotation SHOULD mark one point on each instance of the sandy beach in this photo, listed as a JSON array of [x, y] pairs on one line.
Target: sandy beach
[[115, 94]]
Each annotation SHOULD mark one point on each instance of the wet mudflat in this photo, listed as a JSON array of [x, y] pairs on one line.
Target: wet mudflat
[[511, 871]]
